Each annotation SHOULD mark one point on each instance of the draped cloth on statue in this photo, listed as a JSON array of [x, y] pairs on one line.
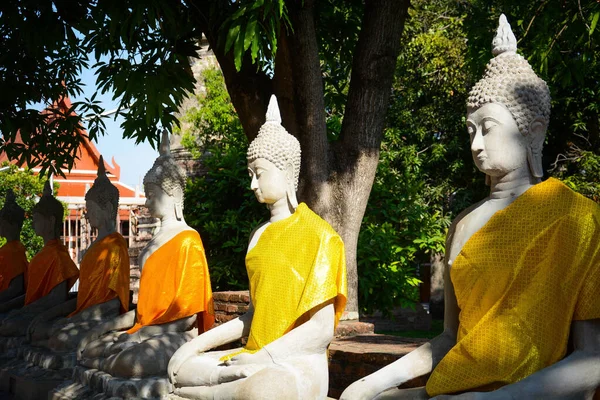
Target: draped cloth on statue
[[13, 262], [104, 273], [175, 284], [298, 264], [50, 267], [520, 281]]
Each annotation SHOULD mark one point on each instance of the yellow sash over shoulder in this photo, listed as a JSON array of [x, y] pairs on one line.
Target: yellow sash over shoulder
[[298, 264], [520, 281]]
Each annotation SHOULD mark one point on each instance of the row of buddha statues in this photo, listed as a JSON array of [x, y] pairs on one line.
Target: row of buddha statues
[[522, 277]]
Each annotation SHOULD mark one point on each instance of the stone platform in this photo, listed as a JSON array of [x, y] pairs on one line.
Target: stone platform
[[353, 358]]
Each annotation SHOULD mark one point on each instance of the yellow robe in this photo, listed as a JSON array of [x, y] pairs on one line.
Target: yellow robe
[[13, 262], [520, 281], [104, 273], [51, 266], [175, 284], [298, 264]]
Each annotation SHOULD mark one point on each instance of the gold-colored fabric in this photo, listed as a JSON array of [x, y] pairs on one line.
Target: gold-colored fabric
[[104, 273], [298, 264], [51, 266], [520, 281], [175, 284], [13, 262]]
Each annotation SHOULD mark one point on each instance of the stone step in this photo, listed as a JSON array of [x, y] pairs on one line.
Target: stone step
[[354, 357]]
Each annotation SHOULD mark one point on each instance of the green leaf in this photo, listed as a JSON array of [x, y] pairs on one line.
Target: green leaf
[[250, 34], [254, 50], [594, 22], [238, 51], [232, 35]]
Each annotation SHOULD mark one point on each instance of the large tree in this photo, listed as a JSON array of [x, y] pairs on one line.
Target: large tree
[[291, 48]]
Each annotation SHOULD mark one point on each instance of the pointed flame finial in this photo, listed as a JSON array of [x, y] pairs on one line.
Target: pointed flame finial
[[47, 189], [101, 166], [273, 111], [165, 146], [505, 40]]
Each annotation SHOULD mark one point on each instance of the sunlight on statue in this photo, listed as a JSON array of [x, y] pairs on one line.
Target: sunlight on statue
[[103, 280], [522, 277], [175, 297], [297, 273]]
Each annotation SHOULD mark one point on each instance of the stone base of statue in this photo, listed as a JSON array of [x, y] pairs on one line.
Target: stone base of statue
[[30, 373], [89, 383]]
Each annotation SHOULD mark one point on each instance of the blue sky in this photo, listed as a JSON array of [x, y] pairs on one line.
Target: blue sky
[[135, 160]]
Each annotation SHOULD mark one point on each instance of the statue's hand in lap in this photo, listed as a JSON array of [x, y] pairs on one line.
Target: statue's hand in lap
[[260, 357], [190, 349], [494, 395]]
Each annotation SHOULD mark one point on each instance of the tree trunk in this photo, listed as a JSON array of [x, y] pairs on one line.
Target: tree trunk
[[336, 178]]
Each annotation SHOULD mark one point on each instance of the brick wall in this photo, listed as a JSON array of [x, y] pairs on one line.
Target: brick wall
[[229, 305]]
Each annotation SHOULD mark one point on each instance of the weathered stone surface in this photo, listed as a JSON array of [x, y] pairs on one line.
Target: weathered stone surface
[[353, 358], [402, 319]]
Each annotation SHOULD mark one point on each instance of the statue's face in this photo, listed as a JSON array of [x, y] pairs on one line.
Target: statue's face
[[95, 214], [497, 145], [269, 183], [158, 202], [42, 224]]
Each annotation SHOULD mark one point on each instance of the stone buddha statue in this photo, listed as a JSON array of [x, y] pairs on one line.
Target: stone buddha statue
[[297, 275], [13, 260], [175, 297], [104, 276], [522, 277], [51, 273]]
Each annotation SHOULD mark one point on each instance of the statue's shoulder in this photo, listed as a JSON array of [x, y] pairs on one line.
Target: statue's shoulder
[[461, 219], [311, 221]]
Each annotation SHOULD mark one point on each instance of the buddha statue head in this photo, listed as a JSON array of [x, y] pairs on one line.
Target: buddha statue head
[[11, 217], [274, 161], [48, 215], [164, 184], [102, 200], [508, 111]]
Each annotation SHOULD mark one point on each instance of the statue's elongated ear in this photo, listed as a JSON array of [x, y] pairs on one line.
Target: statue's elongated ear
[[178, 203], [178, 211], [535, 143], [291, 186]]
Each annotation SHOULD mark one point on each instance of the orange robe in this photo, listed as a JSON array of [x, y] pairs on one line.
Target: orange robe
[[50, 267], [13, 262], [520, 282], [175, 284], [104, 273]]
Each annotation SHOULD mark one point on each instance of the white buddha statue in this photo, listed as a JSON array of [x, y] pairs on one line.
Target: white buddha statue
[[175, 297], [51, 272], [297, 275], [13, 259], [522, 277], [103, 281]]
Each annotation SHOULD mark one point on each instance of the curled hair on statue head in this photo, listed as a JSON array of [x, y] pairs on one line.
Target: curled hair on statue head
[[11, 212], [275, 144], [510, 81], [166, 173], [103, 192], [49, 206]]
